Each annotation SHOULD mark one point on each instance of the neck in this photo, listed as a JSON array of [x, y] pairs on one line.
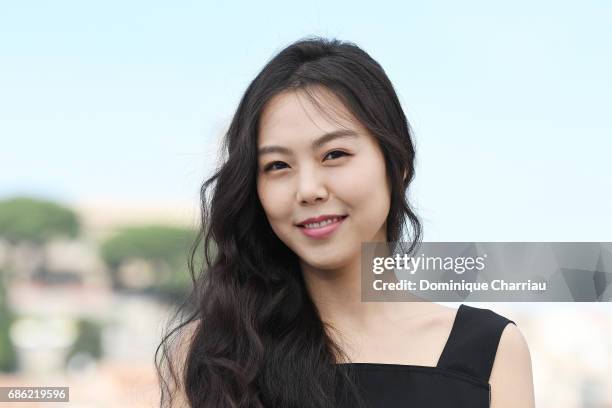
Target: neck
[[337, 295]]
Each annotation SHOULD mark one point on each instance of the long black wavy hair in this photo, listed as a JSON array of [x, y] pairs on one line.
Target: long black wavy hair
[[249, 334]]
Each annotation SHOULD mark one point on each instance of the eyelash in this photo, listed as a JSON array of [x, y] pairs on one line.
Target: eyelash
[[269, 166]]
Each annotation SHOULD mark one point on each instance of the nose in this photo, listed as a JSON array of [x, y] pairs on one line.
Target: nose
[[311, 187]]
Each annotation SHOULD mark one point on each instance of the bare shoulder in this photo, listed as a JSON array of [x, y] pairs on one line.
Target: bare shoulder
[[178, 353], [185, 337], [442, 317], [513, 349], [511, 376], [434, 321], [179, 344], [435, 310], [430, 321]]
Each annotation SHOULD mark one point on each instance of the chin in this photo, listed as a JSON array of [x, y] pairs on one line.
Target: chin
[[331, 262]]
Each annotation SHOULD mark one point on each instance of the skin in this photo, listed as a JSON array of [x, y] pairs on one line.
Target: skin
[[348, 176]]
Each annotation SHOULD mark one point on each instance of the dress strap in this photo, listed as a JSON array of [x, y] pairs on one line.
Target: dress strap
[[473, 340]]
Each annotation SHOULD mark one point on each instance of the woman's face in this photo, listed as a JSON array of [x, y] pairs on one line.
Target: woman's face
[[303, 179]]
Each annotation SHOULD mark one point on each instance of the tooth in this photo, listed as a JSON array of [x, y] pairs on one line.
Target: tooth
[[322, 223]]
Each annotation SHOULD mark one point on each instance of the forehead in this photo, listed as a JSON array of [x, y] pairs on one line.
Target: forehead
[[292, 113]]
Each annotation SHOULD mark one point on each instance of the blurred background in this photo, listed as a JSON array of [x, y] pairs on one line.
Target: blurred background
[[110, 119]]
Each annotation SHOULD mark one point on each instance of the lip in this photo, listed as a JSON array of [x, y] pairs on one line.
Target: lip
[[319, 218], [322, 232]]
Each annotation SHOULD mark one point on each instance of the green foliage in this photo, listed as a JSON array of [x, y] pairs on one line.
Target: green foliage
[[154, 243], [35, 220], [165, 247], [8, 357], [89, 339]]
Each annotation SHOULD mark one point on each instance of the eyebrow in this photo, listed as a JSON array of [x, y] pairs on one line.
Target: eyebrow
[[317, 143]]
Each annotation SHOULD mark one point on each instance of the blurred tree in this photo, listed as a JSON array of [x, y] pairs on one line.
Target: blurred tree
[[8, 357], [165, 247], [35, 222], [89, 340]]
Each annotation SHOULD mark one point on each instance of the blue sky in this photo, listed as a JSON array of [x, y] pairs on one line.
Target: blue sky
[[510, 101]]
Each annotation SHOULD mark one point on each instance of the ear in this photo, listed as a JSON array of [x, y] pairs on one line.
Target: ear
[[405, 174]]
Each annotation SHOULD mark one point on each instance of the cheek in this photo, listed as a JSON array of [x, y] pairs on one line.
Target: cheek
[[366, 182], [275, 201], [367, 192]]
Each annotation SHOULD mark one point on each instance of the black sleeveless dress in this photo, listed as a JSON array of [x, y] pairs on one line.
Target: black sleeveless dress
[[459, 380]]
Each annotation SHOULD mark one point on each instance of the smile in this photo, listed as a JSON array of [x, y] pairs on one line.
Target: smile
[[322, 229]]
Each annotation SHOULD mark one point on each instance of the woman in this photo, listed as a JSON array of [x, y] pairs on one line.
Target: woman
[[319, 160]]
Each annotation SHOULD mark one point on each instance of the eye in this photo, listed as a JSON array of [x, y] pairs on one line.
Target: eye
[[337, 151], [271, 165]]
